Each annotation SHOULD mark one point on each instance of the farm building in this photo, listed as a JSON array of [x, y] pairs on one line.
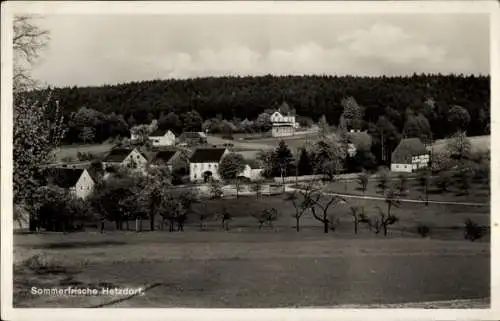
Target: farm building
[[125, 157], [162, 137], [283, 122], [77, 180], [204, 163], [409, 155], [173, 159], [251, 173]]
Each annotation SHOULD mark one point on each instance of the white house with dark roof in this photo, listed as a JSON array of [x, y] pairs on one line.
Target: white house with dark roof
[[204, 163], [162, 137], [125, 157], [78, 181], [409, 156], [251, 173], [283, 122]]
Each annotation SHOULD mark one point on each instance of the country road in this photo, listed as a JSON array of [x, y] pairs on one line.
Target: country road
[[409, 200]]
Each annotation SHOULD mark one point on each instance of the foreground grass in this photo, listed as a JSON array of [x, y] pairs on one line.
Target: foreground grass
[[251, 269]]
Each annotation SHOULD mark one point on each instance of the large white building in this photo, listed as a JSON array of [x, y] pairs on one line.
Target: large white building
[[204, 163], [409, 156], [283, 124]]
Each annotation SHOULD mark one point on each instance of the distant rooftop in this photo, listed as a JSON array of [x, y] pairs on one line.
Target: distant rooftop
[[407, 148], [207, 155]]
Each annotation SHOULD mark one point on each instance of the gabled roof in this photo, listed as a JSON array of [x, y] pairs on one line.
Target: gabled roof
[[407, 148], [159, 132], [118, 155], [64, 177], [207, 155], [163, 156], [192, 135]]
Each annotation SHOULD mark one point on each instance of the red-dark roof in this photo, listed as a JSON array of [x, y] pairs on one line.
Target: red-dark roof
[[118, 155], [408, 148], [158, 133], [64, 177], [207, 155], [164, 156]]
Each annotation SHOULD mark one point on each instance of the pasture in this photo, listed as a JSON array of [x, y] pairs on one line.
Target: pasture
[[275, 266], [478, 143], [72, 151]]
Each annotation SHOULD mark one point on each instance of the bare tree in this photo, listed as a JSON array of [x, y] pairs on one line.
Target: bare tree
[[320, 206], [27, 42], [257, 187], [356, 213], [363, 181], [301, 200]]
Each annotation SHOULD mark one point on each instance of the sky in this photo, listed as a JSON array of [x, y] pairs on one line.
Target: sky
[[92, 50]]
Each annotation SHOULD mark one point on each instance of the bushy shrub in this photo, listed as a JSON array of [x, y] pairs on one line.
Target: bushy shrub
[[473, 231], [85, 156], [423, 230]]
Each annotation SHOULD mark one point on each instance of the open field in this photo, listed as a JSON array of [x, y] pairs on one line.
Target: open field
[[479, 193], [252, 269], [479, 143], [73, 150], [270, 267]]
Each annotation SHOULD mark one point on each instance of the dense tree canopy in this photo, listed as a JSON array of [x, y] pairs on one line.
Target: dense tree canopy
[[431, 96]]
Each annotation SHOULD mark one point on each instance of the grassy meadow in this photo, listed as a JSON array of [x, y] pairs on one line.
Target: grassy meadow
[[260, 268]]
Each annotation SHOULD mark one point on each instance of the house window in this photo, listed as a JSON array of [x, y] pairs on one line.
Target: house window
[[209, 166], [195, 176]]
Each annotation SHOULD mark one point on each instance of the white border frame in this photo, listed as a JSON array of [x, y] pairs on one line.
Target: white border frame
[[235, 7]]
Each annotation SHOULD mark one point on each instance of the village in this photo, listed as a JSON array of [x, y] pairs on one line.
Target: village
[[227, 170], [192, 156]]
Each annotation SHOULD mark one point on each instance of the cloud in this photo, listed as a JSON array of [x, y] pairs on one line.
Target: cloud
[[386, 46]]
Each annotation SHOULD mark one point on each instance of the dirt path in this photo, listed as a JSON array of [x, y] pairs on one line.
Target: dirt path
[[407, 200]]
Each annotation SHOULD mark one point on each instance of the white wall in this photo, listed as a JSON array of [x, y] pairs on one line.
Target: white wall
[[196, 171], [406, 168], [282, 131], [137, 158], [84, 186], [167, 140]]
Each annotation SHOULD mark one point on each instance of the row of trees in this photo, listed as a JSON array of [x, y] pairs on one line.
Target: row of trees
[[435, 97]]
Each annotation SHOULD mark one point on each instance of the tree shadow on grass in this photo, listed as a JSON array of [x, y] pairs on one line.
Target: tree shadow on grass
[[76, 245]]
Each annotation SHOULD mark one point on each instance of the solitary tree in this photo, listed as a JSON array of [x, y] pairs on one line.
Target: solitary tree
[[87, 134], [355, 213], [304, 166], [383, 178], [257, 186], [230, 167], [301, 201], [402, 184], [459, 146], [424, 179], [215, 189], [363, 181]]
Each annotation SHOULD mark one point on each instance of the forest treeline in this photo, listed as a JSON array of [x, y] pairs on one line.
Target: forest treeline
[[432, 96]]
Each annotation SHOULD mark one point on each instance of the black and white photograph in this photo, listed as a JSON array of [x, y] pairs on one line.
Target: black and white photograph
[[273, 158]]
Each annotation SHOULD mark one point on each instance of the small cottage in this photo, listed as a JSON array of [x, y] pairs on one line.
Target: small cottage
[[175, 160], [409, 156], [77, 180], [162, 137], [125, 157]]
